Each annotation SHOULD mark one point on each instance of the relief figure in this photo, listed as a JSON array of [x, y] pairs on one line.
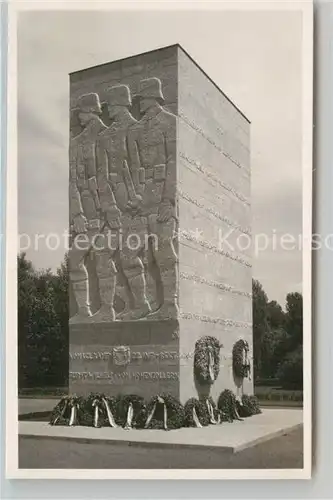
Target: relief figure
[[120, 201], [152, 149], [83, 199]]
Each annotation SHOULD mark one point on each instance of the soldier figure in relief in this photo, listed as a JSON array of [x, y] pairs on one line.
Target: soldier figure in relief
[[152, 148], [119, 199], [83, 199]]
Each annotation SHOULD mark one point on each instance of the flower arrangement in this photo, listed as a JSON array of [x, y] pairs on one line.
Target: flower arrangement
[[215, 415], [68, 411], [251, 404], [99, 410], [207, 360], [196, 413], [227, 404], [131, 411], [164, 412], [240, 359]]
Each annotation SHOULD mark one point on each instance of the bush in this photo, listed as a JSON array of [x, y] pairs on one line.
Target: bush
[[290, 372]]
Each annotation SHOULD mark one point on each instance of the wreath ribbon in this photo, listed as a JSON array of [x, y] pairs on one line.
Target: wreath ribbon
[[236, 414], [195, 418], [73, 416], [97, 405], [96, 415], [129, 418], [210, 412], [150, 416], [111, 419], [248, 364], [165, 414], [211, 366]]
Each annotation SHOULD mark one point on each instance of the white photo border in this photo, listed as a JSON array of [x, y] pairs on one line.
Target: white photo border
[[12, 469]]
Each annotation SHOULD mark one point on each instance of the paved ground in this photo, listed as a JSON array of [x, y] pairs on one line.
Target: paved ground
[[284, 452], [234, 436]]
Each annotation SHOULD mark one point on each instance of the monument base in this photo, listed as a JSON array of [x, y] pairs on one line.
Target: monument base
[[135, 357], [148, 358]]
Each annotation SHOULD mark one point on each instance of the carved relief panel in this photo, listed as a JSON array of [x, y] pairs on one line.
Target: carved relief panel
[[123, 202]]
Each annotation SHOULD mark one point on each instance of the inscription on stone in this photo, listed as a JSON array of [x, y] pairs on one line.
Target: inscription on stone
[[135, 355], [113, 377]]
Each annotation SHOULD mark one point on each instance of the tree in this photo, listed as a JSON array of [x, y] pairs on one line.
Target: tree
[[42, 325], [61, 305], [274, 349], [290, 372], [275, 315], [260, 323], [275, 332], [26, 292], [294, 319]]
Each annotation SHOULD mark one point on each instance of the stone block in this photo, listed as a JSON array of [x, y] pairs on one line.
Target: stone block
[[159, 174]]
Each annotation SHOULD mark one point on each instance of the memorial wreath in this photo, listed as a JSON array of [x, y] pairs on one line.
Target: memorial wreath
[[207, 359], [99, 410], [68, 411], [164, 412], [215, 415], [249, 406], [240, 359], [196, 413], [227, 404], [131, 411]]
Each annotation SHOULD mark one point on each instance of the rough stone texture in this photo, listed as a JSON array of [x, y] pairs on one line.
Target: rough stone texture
[[177, 168]]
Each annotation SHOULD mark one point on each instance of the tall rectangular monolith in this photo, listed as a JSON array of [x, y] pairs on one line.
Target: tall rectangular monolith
[[160, 258]]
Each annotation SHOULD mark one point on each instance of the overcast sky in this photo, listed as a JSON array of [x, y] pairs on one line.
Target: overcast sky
[[254, 57]]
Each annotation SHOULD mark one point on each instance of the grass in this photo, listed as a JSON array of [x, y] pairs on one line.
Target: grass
[[43, 392], [275, 396]]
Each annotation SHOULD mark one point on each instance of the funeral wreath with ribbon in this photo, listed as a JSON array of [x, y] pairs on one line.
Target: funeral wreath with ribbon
[[100, 411], [227, 404], [68, 411], [207, 360], [131, 411], [164, 412], [196, 413], [241, 360]]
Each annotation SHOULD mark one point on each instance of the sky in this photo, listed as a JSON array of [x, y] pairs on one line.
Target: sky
[[254, 57]]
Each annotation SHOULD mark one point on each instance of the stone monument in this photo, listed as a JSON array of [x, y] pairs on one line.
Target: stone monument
[[160, 257]]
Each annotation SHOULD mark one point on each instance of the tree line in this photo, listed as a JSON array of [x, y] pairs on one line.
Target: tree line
[[278, 338], [43, 334]]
